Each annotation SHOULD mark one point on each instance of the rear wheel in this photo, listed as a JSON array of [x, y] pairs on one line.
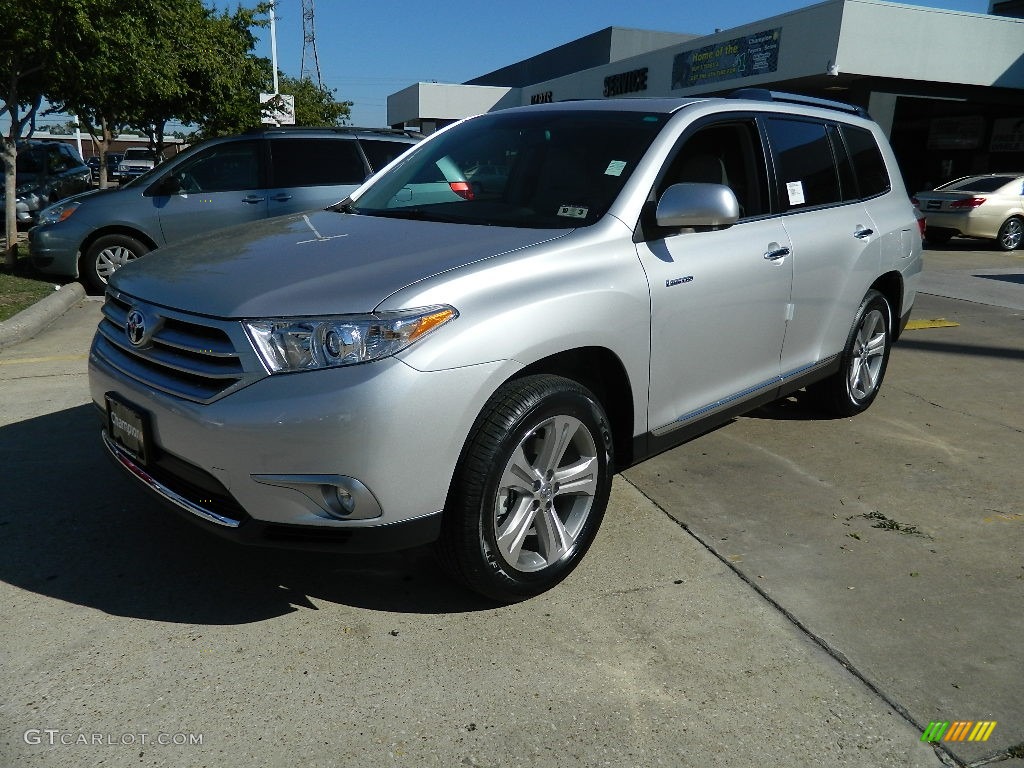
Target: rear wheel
[[1011, 234], [531, 489], [853, 388], [108, 254]]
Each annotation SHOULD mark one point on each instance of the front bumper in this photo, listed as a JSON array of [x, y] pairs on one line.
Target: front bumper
[[54, 249], [251, 465], [240, 527]]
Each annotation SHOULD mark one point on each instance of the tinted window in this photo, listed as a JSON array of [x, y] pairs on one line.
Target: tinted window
[[985, 184], [872, 177], [847, 179], [380, 153], [59, 161], [31, 161], [729, 154], [804, 164], [316, 162], [222, 168]]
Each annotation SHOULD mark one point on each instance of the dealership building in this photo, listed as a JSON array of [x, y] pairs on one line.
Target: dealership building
[[946, 86]]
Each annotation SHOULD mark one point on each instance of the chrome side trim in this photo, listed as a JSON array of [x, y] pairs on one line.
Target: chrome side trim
[[162, 490], [725, 402]]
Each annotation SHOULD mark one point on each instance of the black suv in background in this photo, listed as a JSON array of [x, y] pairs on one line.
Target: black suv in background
[[47, 171], [229, 180]]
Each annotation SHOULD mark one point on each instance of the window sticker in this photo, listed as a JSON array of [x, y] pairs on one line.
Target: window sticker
[[573, 211], [796, 192], [615, 168]]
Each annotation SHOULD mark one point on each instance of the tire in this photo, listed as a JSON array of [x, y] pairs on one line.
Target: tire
[[1010, 234], [108, 254], [937, 236], [513, 527], [854, 387]]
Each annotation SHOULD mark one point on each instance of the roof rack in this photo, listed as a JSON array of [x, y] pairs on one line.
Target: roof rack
[[334, 129], [763, 94]]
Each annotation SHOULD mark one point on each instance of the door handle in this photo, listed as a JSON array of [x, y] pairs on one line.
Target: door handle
[[252, 199], [281, 198], [863, 234], [776, 254]]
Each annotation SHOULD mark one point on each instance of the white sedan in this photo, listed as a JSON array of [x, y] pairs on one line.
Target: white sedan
[[989, 206]]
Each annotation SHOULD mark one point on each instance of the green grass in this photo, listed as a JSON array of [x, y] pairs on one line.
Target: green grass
[[22, 288]]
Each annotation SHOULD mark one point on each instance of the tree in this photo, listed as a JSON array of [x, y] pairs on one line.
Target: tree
[[39, 44], [314, 106], [159, 60]]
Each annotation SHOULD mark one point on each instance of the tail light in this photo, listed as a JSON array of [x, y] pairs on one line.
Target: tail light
[[968, 203], [462, 189]]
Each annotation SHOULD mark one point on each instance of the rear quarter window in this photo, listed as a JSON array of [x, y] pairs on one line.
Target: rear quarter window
[[380, 153], [872, 176]]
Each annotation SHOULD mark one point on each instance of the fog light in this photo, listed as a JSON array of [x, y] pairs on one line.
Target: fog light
[[340, 500], [336, 497]]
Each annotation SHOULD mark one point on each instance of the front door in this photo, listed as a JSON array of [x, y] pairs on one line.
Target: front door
[[219, 187], [719, 299]]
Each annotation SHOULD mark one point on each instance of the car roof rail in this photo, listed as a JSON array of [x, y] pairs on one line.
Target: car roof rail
[[763, 94], [342, 129]]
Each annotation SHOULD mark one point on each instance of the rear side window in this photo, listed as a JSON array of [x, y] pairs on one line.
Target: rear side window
[[380, 153], [804, 164], [872, 176], [316, 162]]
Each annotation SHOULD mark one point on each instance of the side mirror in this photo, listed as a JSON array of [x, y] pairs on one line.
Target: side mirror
[[697, 205]]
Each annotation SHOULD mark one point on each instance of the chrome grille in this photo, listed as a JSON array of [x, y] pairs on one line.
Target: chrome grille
[[187, 356]]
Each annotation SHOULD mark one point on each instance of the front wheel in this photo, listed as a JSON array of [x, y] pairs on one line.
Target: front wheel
[[531, 489], [853, 388], [1011, 234], [108, 254]]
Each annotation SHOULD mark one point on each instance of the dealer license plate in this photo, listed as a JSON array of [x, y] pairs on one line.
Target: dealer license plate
[[128, 427]]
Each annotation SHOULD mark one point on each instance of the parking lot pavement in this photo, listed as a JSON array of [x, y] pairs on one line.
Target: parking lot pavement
[[973, 271], [684, 638], [897, 537]]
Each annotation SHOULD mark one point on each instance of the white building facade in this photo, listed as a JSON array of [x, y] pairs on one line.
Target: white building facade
[[947, 86]]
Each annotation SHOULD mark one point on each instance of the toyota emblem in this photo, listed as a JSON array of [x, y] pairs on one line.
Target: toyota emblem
[[135, 328]]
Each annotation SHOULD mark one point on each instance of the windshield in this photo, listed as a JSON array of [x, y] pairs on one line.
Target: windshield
[[542, 169]]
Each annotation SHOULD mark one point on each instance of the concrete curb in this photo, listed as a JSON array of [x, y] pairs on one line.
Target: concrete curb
[[31, 321]]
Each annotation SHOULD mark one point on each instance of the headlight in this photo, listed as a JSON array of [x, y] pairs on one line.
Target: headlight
[[58, 212], [311, 343]]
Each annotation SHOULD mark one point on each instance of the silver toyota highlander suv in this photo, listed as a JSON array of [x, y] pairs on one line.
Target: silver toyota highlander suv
[[437, 360]]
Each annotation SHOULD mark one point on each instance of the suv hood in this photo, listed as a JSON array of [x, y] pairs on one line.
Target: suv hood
[[317, 263]]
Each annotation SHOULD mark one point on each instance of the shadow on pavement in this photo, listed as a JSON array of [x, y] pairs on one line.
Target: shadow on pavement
[[75, 528]]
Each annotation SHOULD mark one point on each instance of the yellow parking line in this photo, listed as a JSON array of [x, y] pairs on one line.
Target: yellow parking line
[[939, 322], [51, 358]]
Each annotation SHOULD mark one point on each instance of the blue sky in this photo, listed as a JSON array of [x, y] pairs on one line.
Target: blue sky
[[368, 50]]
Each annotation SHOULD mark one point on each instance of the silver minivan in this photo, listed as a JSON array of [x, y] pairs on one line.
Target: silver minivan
[[435, 361]]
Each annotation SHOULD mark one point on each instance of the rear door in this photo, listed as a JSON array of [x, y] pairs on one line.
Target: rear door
[[219, 187], [836, 245], [312, 173]]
